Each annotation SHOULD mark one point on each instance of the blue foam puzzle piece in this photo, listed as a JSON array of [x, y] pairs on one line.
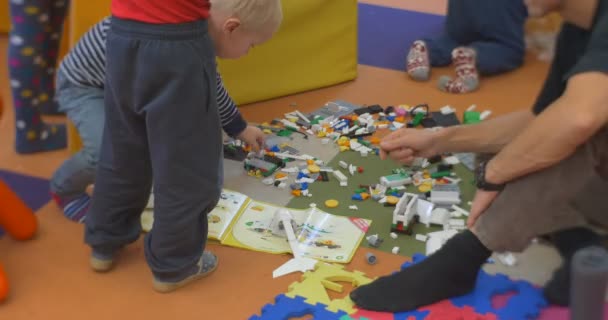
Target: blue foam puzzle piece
[[526, 303], [418, 315], [286, 308]]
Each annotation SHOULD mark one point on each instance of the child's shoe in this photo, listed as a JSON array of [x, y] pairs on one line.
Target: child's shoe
[[205, 266], [418, 65], [101, 263], [467, 78]]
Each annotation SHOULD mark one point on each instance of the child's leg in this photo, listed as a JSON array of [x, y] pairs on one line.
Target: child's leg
[[25, 47], [85, 108], [57, 12]]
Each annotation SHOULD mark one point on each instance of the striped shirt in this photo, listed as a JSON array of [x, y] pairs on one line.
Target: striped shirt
[[85, 65]]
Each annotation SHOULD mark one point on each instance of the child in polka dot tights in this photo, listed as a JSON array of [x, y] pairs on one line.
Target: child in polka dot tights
[[32, 58]]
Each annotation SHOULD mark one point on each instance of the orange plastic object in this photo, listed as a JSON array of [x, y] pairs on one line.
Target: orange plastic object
[[16, 217], [296, 193], [4, 287]]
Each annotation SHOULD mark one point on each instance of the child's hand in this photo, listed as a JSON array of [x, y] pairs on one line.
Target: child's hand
[[253, 136]]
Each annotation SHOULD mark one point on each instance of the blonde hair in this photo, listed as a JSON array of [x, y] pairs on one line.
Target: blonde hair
[[254, 14]]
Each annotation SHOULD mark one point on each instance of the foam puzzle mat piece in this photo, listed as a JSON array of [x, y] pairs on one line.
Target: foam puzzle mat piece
[[286, 308], [326, 276]]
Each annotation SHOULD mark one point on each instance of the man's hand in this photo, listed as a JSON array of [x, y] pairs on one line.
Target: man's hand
[[406, 144], [482, 201], [252, 136]]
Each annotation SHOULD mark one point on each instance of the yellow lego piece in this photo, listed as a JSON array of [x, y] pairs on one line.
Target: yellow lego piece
[[325, 276], [344, 148]]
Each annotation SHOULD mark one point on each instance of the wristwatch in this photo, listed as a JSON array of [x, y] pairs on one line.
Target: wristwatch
[[480, 178]]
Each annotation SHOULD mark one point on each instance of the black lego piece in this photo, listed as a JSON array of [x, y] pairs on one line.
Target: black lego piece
[[389, 109], [445, 167], [445, 120], [428, 123], [235, 153], [361, 111], [375, 109], [434, 159]]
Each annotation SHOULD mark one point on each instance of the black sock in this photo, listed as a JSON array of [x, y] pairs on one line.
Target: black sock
[[449, 272], [567, 242]]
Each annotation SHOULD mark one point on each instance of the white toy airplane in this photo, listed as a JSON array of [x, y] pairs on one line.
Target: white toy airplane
[[298, 262]]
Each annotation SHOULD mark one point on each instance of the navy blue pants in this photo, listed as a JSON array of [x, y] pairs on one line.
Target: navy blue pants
[[162, 122], [495, 29]]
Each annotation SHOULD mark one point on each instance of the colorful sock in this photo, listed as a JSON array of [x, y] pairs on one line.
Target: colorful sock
[[418, 65], [449, 272], [26, 44], [568, 242], [74, 208], [467, 78]]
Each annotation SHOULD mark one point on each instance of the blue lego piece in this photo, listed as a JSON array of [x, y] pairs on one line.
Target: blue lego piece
[[275, 148], [286, 308], [303, 186], [301, 175], [390, 118], [356, 196], [526, 303]]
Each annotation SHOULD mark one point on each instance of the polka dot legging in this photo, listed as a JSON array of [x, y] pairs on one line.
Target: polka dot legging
[[33, 49]]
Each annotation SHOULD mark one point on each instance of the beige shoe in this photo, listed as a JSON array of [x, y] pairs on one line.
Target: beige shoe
[[206, 265], [101, 265]]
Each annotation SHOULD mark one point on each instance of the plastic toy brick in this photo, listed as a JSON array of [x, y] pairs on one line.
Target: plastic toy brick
[[314, 284], [286, 308]]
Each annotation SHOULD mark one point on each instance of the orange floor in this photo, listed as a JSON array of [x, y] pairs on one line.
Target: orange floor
[[50, 277]]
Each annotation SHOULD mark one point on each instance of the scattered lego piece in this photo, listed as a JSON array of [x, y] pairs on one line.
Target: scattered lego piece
[[343, 184], [395, 180], [313, 205], [374, 240], [421, 237], [268, 181], [340, 176], [507, 258], [364, 153], [353, 207], [352, 169], [371, 258], [393, 235], [313, 168], [392, 200], [461, 210], [331, 203], [456, 222], [395, 250]]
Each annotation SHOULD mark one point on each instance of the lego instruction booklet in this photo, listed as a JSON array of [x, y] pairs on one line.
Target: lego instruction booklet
[[240, 221]]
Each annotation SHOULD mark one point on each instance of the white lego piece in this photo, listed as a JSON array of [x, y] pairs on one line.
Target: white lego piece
[[343, 164], [395, 250], [353, 207], [343, 183], [305, 180], [307, 157], [325, 141], [382, 114], [398, 125], [345, 131], [457, 208], [383, 126], [472, 107], [451, 160], [393, 235], [313, 205], [456, 214], [421, 237], [361, 131], [456, 222], [507, 258], [395, 180], [320, 162], [316, 128], [290, 124], [440, 216], [292, 156], [364, 153], [282, 185], [351, 129], [423, 210], [310, 132], [302, 116], [309, 195], [437, 239], [392, 114], [404, 210], [447, 110], [355, 145], [268, 181], [352, 169], [326, 169], [305, 171], [484, 115], [340, 176], [305, 192], [382, 201], [290, 170]]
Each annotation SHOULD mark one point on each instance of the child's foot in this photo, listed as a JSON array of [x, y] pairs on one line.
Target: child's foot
[[449, 272], [205, 266], [47, 137], [74, 208], [467, 78], [101, 263], [418, 65]]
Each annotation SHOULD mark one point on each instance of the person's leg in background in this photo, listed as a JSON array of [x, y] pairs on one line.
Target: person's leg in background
[[58, 10], [26, 44], [498, 48], [526, 208], [85, 108], [437, 51]]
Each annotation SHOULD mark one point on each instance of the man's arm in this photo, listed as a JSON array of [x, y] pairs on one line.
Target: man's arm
[[489, 136], [557, 132]]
